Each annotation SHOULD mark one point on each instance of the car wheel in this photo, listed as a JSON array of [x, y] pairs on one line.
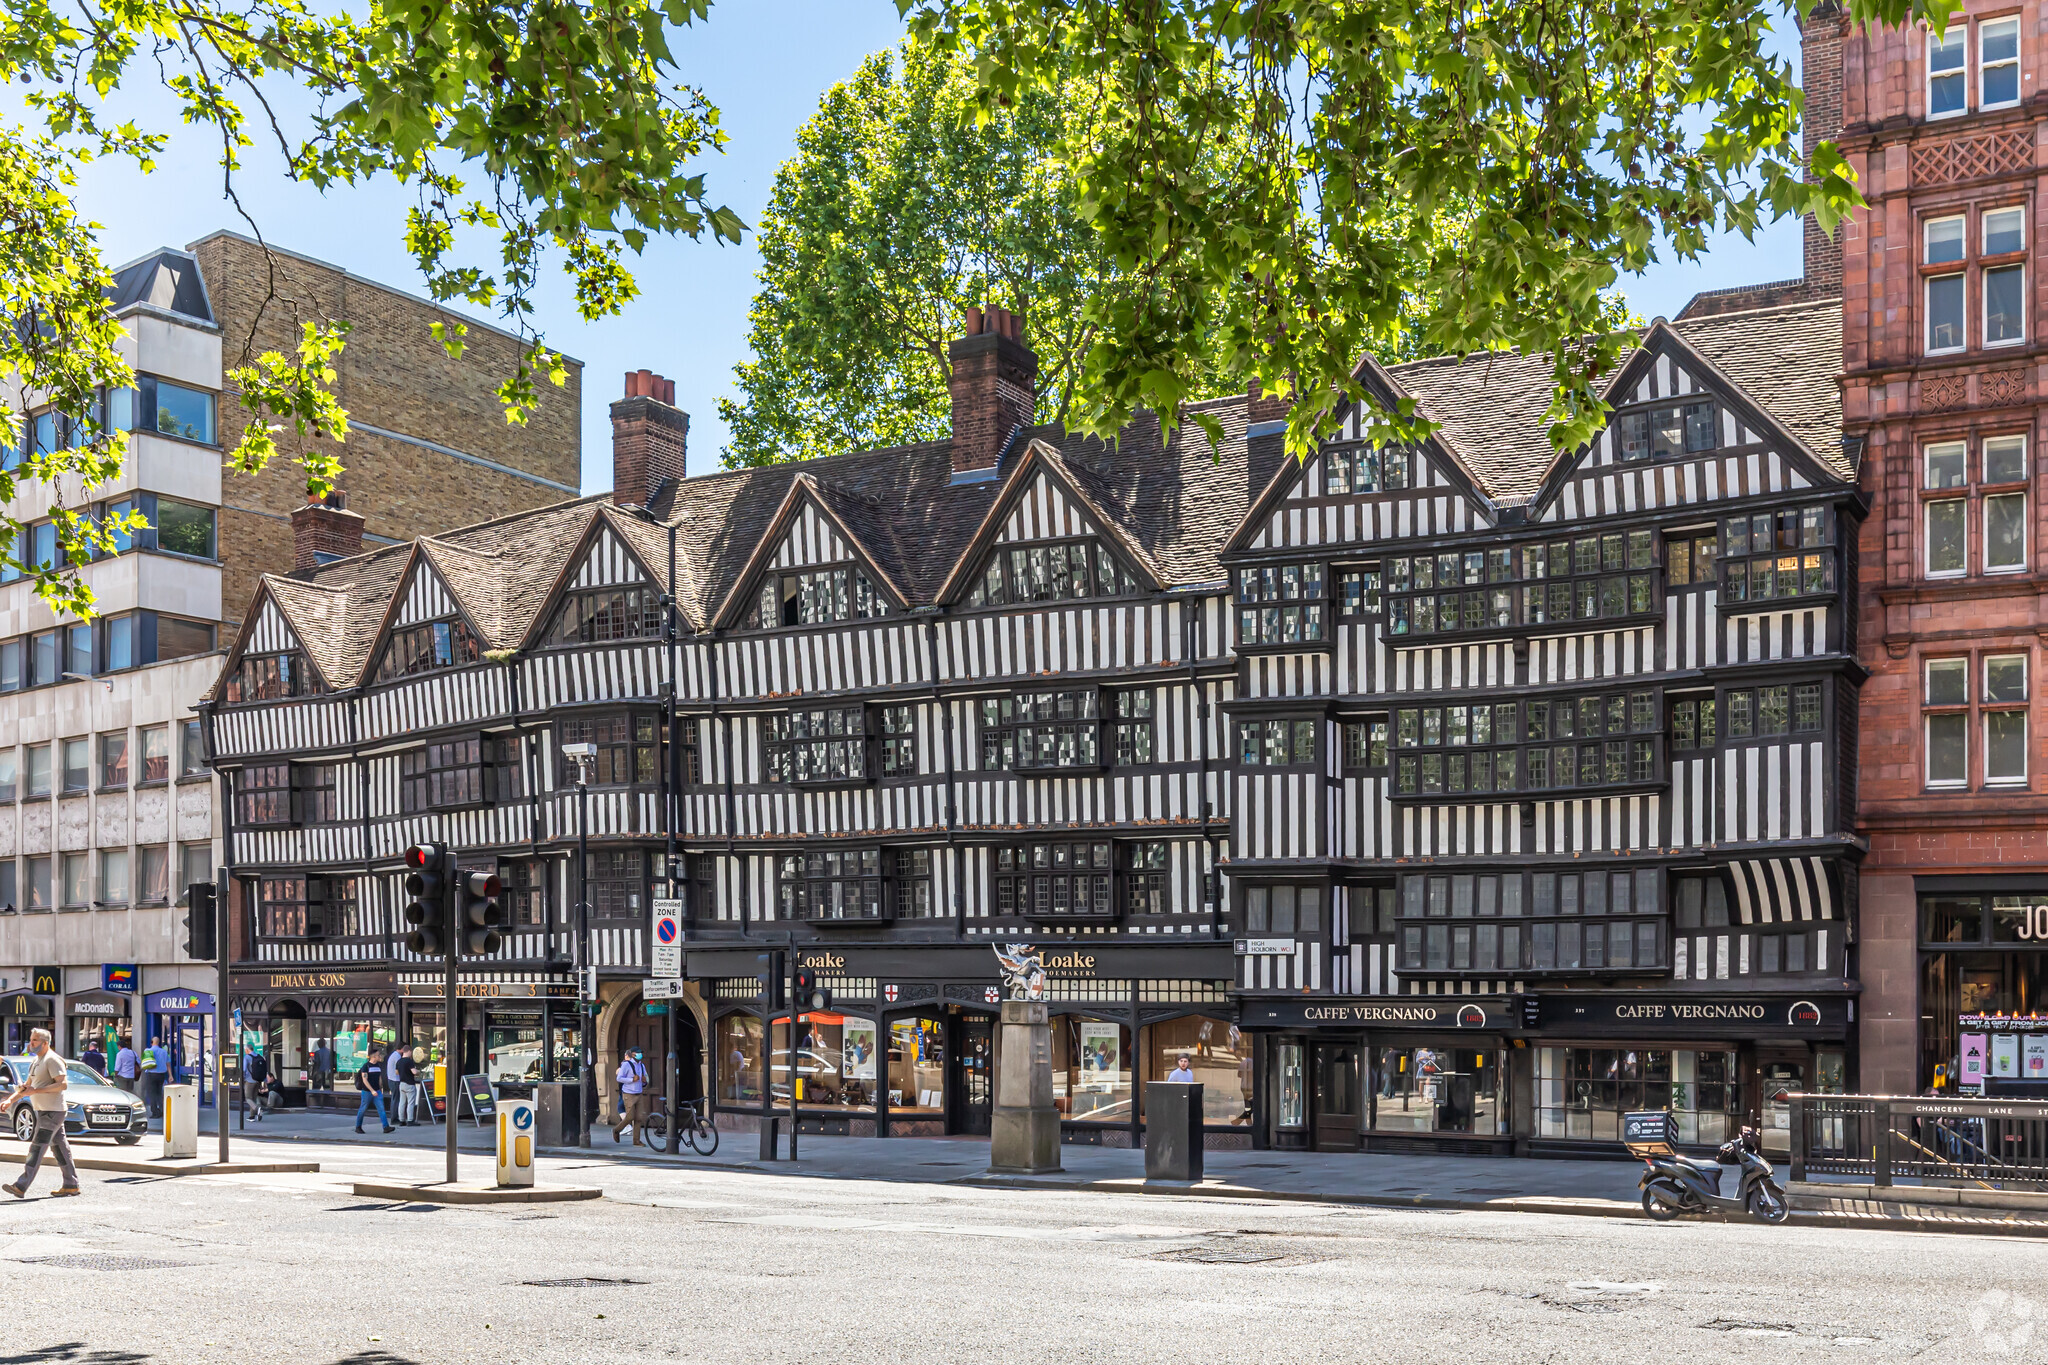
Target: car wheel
[[129, 1140], [25, 1124]]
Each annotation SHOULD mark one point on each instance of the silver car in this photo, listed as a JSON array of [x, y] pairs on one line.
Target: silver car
[[93, 1105]]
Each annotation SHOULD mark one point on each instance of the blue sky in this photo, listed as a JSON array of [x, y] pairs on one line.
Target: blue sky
[[764, 63]]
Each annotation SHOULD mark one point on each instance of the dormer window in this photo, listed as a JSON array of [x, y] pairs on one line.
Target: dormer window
[[271, 677], [815, 597], [608, 614], [424, 649], [1063, 572], [1667, 431]]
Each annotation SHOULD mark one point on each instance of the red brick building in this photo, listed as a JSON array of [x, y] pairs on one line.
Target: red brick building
[[1942, 405]]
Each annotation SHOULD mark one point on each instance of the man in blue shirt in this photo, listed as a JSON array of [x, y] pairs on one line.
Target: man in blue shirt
[[126, 1064]]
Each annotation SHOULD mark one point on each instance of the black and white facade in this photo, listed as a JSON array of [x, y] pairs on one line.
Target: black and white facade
[[1461, 795]]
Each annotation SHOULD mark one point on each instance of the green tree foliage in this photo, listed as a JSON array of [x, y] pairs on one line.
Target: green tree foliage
[[898, 210], [1581, 140], [551, 127]]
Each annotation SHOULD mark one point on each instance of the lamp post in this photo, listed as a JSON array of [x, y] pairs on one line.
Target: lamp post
[[586, 1089]]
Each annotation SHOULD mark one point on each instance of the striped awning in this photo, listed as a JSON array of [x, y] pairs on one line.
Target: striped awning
[[1782, 890]]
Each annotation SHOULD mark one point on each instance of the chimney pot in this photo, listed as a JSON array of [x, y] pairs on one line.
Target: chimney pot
[[973, 328], [993, 383], [324, 531], [649, 439]]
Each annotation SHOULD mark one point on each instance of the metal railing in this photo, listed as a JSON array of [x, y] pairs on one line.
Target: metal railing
[[1892, 1137]]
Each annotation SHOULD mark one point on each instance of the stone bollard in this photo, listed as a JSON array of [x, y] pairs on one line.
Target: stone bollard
[[1025, 1134]]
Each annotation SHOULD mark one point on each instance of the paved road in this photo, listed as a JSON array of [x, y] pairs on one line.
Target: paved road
[[737, 1266]]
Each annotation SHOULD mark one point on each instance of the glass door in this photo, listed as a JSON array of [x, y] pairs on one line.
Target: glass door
[[976, 1077], [1337, 1098], [1778, 1078]]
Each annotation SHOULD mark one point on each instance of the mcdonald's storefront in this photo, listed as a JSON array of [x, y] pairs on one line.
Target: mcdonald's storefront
[[22, 1011]]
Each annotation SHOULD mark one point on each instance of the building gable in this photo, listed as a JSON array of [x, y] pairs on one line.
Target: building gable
[[805, 533], [424, 597]]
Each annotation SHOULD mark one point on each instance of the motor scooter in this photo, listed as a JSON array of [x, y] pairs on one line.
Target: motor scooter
[[1674, 1184]]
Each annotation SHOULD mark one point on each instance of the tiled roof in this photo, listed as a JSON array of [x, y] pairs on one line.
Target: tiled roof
[[1491, 407]]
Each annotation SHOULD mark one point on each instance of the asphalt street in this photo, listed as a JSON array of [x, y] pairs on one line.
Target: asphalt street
[[721, 1265]]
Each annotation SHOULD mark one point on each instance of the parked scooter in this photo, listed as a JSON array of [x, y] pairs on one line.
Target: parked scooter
[[1674, 1184]]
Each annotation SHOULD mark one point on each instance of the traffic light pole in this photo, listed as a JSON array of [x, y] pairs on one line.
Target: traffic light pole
[[451, 1052], [792, 1048], [220, 1009]]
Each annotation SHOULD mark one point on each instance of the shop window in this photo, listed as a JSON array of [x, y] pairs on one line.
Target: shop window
[[831, 885], [1438, 1089], [1283, 910], [815, 597], [914, 898], [1055, 880], [1581, 1093], [1066, 572], [739, 1060], [618, 879], [1689, 560], [1276, 743], [899, 741], [628, 749], [270, 677], [607, 614], [1146, 880], [1133, 739], [1281, 604], [1365, 745], [428, 648], [824, 745], [1667, 431], [1041, 730], [1358, 592], [1091, 1070], [917, 1068], [1219, 1056], [1770, 556], [1348, 472], [114, 759], [837, 1062]]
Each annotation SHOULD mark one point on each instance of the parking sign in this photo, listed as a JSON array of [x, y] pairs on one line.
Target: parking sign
[[667, 959]]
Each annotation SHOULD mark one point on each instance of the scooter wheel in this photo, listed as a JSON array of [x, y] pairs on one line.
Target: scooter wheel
[[1767, 1203], [1657, 1209]]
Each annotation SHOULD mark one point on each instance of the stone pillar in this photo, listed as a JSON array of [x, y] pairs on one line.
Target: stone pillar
[[1025, 1136]]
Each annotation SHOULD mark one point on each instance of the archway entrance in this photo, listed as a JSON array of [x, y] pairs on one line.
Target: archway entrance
[[648, 1031]]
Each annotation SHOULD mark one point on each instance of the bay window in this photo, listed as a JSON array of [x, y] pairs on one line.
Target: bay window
[[1770, 556], [1041, 730], [1281, 604], [1055, 880], [828, 744]]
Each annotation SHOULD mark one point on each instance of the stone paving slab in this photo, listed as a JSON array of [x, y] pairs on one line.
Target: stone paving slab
[[468, 1192], [85, 1159]]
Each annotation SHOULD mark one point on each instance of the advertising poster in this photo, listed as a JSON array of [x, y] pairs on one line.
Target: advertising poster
[[858, 1043], [1101, 1053], [2005, 1056], [2034, 1056], [1971, 1059]]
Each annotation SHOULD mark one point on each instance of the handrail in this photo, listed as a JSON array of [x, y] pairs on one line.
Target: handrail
[[1891, 1142]]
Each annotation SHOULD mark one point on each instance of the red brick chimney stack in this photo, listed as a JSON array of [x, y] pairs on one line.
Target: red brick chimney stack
[[994, 389], [325, 531], [649, 439], [1820, 78]]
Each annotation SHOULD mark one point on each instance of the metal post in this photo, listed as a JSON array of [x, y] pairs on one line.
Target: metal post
[[1882, 1157], [586, 1090], [675, 1047], [451, 1051], [1798, 1157], [221, 920], [792, 1048]]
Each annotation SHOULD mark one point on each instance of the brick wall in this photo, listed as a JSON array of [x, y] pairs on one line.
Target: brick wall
[[392, 374]]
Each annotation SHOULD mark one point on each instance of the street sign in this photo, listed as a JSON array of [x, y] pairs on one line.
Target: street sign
[[662, 988], [118, 977], [667, 958], [46, 980]]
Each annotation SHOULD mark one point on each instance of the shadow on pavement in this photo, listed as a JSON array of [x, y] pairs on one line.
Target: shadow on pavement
[[75, 1351]]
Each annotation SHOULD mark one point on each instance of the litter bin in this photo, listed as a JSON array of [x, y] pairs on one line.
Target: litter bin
[[558, 1121], [1173, 1130]]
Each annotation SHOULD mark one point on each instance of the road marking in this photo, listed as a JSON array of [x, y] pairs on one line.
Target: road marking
[[1121, 1232]]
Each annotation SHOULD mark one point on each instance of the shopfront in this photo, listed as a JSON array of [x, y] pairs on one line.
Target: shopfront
[[1385, 1074], [1983, 956], [182, 1021], [96, 1019], [908, 1047], [21, 1013], [294, 1013], [516, 1030], [1716, 1062]]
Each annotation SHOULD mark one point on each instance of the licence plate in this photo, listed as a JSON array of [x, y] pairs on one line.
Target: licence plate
[[106, 1121]]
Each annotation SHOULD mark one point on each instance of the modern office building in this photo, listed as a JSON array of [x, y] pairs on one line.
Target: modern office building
[[107, 806]]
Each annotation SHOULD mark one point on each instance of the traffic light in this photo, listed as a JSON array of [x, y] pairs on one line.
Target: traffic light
[[768, 971], [428, 888], [478, 913], [809, 995], [202, 939]]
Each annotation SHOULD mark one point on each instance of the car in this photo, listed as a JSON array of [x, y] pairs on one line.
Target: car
[[93, 1105]]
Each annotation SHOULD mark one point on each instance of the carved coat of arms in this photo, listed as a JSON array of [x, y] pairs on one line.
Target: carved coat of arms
[[1023, 971]]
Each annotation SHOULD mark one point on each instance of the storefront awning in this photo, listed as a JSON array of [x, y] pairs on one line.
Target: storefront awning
[[1782, 890]]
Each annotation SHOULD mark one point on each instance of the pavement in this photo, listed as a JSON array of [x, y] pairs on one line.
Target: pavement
[[1605, 1189], [721, 1265]]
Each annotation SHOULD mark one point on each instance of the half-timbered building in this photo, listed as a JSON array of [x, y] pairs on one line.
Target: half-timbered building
[[1465, 794]]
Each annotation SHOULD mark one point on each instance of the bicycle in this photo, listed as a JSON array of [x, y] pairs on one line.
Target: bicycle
[[697, 1129]]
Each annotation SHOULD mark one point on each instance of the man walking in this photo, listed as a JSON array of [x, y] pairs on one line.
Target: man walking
[[632, 1080], [126, 1065], [370, 1087], [408, 1089], [47, 1079], [255, 1071], [156, 1065]]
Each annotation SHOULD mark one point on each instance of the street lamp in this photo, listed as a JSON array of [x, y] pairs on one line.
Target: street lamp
[[586, 1090]]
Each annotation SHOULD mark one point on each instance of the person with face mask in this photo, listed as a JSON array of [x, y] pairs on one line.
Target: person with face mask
[[632, 1080]]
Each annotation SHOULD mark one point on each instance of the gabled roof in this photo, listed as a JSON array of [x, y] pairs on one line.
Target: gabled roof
[[848, 512], [166, 279]]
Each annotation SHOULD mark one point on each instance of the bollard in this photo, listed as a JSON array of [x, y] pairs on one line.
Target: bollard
[[515, 1142], [181, 1121]]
